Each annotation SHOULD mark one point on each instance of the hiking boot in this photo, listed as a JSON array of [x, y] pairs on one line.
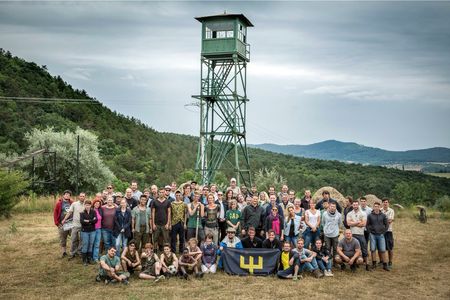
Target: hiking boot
[[317, 273], [386, 268], [353, 268], [343, 267]]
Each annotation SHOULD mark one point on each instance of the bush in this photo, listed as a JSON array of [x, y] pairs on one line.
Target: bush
[[443, 204], [11, 185]]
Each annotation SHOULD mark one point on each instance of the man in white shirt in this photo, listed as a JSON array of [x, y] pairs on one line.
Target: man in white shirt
[[74, 211], [357, 220], [388, 236]]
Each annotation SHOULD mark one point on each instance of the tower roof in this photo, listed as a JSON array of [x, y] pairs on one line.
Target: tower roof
[[225, 15]]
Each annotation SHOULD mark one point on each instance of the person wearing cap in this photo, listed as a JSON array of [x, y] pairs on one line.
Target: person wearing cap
[[230, 241], [75, 209], [233, 187], [61, 209], [167, 192]]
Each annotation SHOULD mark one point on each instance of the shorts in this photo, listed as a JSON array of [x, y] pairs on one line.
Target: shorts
[[389, 238], [377, 242], [150, 270], [362, 243]]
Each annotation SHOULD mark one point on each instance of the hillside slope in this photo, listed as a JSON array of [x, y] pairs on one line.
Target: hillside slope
[[133, 150]]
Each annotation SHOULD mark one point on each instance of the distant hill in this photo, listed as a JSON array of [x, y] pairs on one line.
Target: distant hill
[[352, 152], [133, 150]]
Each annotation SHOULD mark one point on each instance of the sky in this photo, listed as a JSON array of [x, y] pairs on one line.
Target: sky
[[372, 72]]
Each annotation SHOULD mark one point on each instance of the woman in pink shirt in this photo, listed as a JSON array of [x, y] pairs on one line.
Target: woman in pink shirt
[[276, 223], [98, 229]]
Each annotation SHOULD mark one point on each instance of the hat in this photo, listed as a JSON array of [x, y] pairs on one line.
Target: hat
[[233, 179], [231, 229], [167, 187]]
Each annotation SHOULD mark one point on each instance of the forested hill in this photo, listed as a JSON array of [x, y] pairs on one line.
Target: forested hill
[[133, 150], [352, 152]]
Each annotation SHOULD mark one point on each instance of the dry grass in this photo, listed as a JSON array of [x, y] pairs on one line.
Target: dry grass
[[31, 269]]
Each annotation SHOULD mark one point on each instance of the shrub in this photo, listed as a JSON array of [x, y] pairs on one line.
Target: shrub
[[443, 204], [11, 185]]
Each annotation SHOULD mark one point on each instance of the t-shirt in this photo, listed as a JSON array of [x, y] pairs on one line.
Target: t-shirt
[[143, 217], [234, 216], [108, 217], [313, 219], [161, 211], [349, 248], [356, 217], [111, 262], [65, 206], [285, 260], [192, 220], [178, 212], [389, 215], [76, 208]]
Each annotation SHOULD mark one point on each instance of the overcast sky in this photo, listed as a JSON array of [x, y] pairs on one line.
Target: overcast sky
[[374, 73]]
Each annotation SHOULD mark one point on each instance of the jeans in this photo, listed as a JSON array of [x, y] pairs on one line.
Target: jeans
[[309, 266], [293, 240], [97, 238], [323, 265], [75, 241], [108, 238], [121, 243], [87, 239], [310, 236], [377, 241], [177, 229]]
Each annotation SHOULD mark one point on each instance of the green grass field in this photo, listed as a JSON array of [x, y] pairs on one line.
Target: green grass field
[[31, 269]]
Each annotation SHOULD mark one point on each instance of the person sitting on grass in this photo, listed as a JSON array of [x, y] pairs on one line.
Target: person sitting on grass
[[323, 258], [109, 268], [209, 250], [151, 266], [169, 261], [130, 258], [188, 265], [230, 241], [251, 241], [288, 264], [195, 251], [348, 252], [272, 242], [307, 259]]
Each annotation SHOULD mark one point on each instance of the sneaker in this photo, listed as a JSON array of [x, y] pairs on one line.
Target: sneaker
[[160, 277], [295, 278], [326, 273], [330, 273], [343, 267], [353, 268], [386, 268]]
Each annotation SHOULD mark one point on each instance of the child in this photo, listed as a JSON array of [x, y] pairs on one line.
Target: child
[[188, 265], [130, 258], [194, 251], [168, 258], [209, 250], [151, 264]]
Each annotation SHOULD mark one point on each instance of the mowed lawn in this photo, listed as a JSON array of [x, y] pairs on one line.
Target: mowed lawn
[[30, 268]]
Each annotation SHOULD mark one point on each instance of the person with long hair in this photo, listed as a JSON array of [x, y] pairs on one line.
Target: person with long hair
[[88, 219], [98, 229], [275, 222], [122, 226], [312, 220], [292, 226]]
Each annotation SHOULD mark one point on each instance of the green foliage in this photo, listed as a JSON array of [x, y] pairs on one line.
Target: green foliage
[[133, 150], [11, 185], [264, 178], [120, 185], [93, 174], [443, 204]]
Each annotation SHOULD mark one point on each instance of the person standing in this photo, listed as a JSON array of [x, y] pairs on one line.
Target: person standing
[[332, 220], [222, 215], [212, 211], [377, 225], [131, 201], [122, 226], [196, 211], [61, 209], [161, 217], [88, 218], [234, 188], [76, 208], [306, 199], [356, 220], [109, 213], [253, 216], [136, 193], [367, 210], [312, 220], [326, 197], [179, 217], [140, 223], [292, 225], [98, 229], [388, 236]]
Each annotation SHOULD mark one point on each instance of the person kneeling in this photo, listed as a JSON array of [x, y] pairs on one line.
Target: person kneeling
[[109, 268], [289, 264], [151, 266], [188, 265], [348, 252], [130, 258]]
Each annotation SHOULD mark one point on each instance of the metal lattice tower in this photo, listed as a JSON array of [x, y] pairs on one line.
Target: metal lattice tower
[[223, 96]]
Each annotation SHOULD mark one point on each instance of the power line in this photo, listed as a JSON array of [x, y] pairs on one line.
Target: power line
[[47, 100]]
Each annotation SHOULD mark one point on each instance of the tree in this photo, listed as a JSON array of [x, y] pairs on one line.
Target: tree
[[93, 174], [11, 185], [264, 178]]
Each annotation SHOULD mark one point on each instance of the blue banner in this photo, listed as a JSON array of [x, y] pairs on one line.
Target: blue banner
[[250, 261]]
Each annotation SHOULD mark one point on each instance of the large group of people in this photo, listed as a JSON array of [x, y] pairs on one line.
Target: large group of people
[[182, 230]]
